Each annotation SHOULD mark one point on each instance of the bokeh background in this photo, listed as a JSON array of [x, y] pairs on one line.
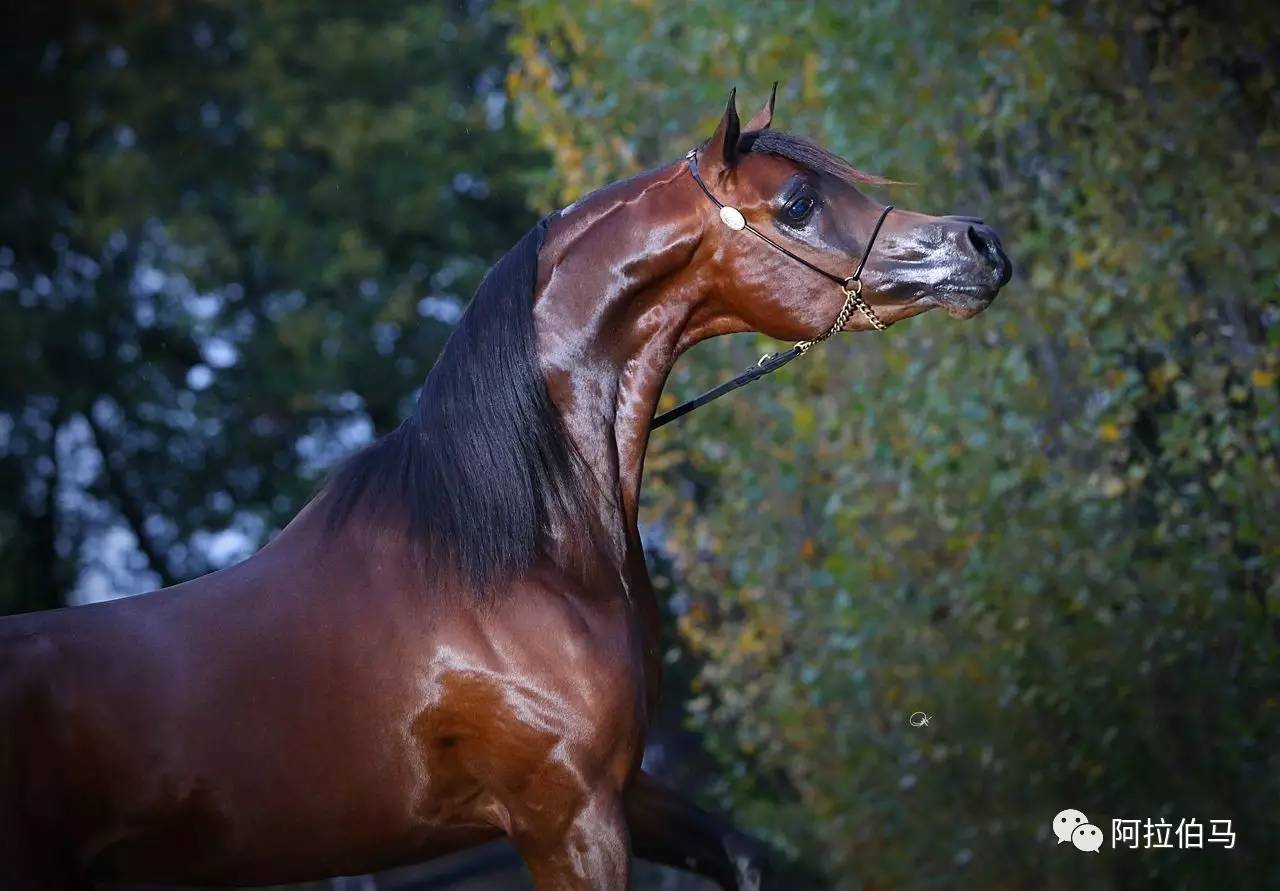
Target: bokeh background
[[233, 236]]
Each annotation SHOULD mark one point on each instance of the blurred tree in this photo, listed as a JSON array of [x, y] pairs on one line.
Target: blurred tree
[[232, 238], [1051, 528]]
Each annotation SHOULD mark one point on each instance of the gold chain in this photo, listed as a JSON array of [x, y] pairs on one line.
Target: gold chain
[[852, 300]]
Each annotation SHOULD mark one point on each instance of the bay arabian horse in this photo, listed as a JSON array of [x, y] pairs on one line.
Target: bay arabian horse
[[457, 639]]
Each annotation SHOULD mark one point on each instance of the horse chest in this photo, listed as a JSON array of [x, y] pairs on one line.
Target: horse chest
[[530, 705]]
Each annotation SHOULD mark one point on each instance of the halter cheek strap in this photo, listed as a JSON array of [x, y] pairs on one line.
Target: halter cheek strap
[[851, 286]]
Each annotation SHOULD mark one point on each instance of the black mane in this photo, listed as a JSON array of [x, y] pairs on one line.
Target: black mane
[[482, 470]]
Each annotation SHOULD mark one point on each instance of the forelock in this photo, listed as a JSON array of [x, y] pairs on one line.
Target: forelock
[[806, 154]]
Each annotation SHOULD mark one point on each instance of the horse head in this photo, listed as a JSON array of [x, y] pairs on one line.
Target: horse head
[[814, 225]]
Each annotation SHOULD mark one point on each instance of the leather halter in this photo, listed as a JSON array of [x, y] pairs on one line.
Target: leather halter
[[770, 362]]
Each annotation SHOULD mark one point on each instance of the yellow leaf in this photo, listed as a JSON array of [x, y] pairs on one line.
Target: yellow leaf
[[749, 642], [1108, 432], [1162, 375], [901, 534], [1262, 378], [1006, 36], [810, 75]]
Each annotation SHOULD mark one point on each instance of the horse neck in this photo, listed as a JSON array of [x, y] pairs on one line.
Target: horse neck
[[618, 301]]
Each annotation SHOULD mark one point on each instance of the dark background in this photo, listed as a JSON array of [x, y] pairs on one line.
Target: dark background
[[233, 237]]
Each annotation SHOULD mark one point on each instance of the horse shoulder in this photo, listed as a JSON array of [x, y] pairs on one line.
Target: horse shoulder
[[533, 702]]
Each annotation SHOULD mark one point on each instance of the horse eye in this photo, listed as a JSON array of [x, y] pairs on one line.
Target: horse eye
[[798, 211]]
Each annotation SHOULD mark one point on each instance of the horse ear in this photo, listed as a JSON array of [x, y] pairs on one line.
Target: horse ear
[[721, 149], [764, 117]]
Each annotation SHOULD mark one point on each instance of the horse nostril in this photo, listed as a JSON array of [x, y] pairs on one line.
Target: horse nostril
[[980, 244], [986, 244]]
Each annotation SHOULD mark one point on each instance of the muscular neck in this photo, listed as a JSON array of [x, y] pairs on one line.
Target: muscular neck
[[618, 301]]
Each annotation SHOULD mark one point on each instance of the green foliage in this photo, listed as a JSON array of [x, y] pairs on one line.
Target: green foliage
[[1051, 527], [226, 263]]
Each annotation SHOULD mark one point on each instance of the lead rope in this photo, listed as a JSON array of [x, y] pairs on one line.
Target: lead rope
[[771, 362]]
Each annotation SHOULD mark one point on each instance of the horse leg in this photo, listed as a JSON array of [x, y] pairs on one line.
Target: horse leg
[[588, 853], [669, 829]]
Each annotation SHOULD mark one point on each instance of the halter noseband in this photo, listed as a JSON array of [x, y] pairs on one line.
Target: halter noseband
[[851, 286]]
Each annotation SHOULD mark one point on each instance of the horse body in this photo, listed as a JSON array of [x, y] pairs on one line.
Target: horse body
[[457, 639], [324, 708], [301, 732]]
